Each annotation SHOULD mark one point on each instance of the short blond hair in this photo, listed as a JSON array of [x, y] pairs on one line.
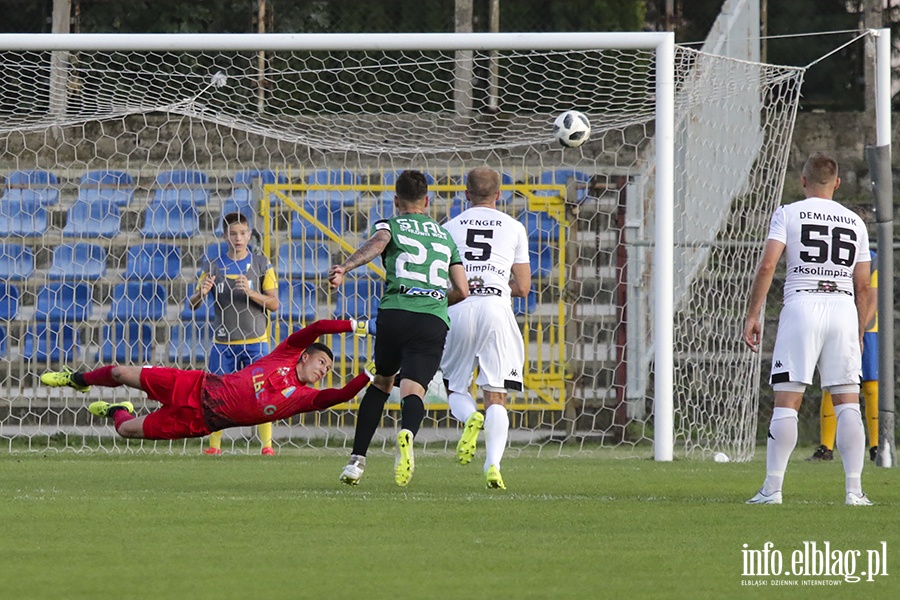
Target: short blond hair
[[820, 169], [483, 183]]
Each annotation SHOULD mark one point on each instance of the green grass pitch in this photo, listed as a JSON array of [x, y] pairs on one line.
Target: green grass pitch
[[598, 525]]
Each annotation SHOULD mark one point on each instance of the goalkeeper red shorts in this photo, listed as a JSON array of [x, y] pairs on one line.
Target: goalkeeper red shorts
[[179, 392]]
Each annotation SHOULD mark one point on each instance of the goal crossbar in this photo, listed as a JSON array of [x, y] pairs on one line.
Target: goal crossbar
[[271, 42]]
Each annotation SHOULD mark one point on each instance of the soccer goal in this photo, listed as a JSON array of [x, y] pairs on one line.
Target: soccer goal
[[643, 240]]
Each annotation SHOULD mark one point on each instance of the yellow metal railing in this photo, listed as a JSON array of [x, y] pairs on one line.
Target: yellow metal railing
[[544, 381]]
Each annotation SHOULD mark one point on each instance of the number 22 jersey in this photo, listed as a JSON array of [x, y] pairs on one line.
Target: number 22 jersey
[[416, 264], [824, 241]]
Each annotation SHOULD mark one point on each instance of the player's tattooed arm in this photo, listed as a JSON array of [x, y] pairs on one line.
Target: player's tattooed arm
[[366, 253]]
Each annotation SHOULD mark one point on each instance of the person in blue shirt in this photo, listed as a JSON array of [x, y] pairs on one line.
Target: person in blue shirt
[[245, 289]]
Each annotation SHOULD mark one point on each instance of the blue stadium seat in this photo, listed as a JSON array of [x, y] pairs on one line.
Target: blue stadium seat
[[506, 195], [523, 305], [182, 187], [63, 301], [175, 220], [247, 178], [541, 258], [85, 262], [245, 181], [95, 219], [51, 341], [561, 176], [138, 300], [205, 312], [106, 186], [153, 261], [329, 212], [130, 341], [2, 342], [214, 251], [43, 197], [303, 259], [281, 329], [16, 262], [541, 227], [329, 177], [31, 178], [188, 196], [382, 209], [22, 218], [240, 201], [358, 298], [189, 341], [297, 301], [457, 205], [182, 177], [34, 186], [349, 347], [9, 301], [236, 204]]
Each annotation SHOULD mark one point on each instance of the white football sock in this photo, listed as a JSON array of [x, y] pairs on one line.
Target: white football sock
[[781, 443], [851, 443], [496, 431], [462, 405]]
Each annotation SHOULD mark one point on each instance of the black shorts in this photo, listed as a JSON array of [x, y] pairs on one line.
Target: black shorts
[[409, 342]]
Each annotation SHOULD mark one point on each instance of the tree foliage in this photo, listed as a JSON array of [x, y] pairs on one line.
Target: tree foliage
[[835, 83], [321, 16]]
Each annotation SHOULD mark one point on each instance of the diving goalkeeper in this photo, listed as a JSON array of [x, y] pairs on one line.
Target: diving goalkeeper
[[196, 403]]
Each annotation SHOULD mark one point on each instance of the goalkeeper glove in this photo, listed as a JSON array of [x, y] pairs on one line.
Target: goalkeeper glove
[[362, 328], [370, 370]]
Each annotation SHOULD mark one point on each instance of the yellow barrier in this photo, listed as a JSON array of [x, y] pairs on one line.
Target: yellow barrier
[[545, 371]]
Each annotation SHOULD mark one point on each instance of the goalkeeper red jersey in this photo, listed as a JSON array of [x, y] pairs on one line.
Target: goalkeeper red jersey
[[269, 389]]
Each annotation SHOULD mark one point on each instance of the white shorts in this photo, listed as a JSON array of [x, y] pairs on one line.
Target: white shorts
[[483, 331], [817, 330]]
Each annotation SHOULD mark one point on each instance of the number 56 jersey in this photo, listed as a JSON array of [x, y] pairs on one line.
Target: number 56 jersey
[[490, 243], [823, 242]]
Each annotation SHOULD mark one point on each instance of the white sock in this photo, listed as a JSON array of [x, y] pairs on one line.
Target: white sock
[[462, 405], [496, 431], [781, 443], [851, 443]]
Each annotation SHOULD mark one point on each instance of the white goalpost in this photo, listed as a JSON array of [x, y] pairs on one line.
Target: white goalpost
[[641, 239]]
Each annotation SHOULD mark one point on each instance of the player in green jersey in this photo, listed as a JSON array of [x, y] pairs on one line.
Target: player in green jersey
[[424, 274]]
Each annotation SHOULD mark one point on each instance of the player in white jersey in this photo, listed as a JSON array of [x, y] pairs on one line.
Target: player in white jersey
[[483, 329], [821, 324]]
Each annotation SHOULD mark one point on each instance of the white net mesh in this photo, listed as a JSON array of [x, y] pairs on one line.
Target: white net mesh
[[144, 152]]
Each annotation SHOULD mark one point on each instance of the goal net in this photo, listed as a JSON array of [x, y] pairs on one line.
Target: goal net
[[118, 166]]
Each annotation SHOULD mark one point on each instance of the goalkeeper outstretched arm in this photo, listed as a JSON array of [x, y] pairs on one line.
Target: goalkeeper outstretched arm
[[333, 396], [302, 338]]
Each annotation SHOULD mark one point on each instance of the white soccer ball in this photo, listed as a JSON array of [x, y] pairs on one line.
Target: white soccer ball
[[572, 128], [721, 457]]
